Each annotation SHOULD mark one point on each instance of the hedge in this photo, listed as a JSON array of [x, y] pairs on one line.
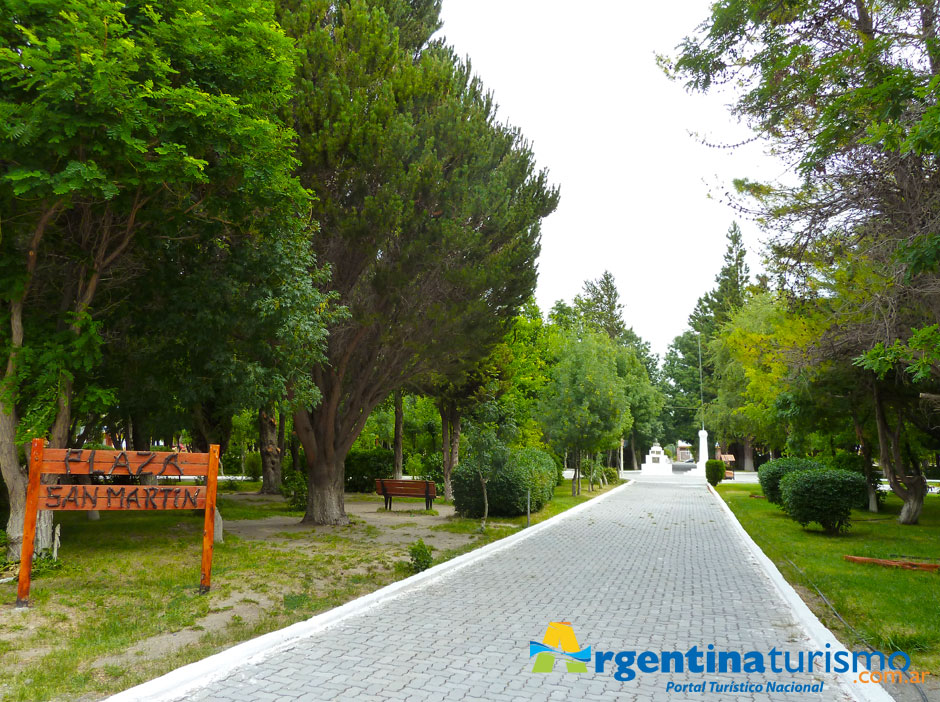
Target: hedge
[[771, 472], [856, 464], [714, 471], [507, 486], [824, 496], [363, 467]]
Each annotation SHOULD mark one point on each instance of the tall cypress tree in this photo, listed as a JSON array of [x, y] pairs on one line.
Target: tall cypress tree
[[429, 213]]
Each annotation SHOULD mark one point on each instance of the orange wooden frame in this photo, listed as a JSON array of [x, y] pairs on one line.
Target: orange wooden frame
[[45, 461]]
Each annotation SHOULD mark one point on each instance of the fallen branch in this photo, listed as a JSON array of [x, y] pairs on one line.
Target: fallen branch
[[907, 565]]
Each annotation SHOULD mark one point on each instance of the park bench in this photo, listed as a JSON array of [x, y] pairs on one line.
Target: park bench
[[406, 488], [728, 458]]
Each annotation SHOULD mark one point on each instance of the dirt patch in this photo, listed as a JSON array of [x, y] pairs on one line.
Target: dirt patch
[[235, 608], [398, 528]]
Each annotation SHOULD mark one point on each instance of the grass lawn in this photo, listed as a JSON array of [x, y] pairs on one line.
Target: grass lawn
[[122, 606], [894, 609]]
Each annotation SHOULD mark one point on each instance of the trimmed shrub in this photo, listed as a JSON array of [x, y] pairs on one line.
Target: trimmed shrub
[[771, 472], [522, 470], [714, 471], [823, 496], [253, 465], [856, 464], [363, 467], [611, 475]]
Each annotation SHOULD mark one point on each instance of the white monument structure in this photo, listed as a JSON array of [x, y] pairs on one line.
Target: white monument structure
[[702, 453], [657, 462]]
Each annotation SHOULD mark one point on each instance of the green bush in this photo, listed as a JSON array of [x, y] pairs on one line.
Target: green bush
[[824, 496], [294, 488], [413, 465], [714, 471], [363, 467], [432, 468], [520, 471], [421, 558], [253, 465], [771, 472], [611, 475], [856, 464]]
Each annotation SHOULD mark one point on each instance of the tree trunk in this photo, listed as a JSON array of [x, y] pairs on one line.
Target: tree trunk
[[486, 503], [281, 434], [140, 441], [445, 446], [326, 439], [399, 428], [325, 492], [454, 442], [270, 457], [910, 488], [294, 452], [633, 450], [748, 454], [870, 480], [574, 475], [450, 443], [16, 479]]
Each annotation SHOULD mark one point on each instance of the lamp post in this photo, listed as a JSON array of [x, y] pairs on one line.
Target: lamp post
[[702, 434]]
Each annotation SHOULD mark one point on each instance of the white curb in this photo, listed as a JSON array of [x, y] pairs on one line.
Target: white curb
[[179, 683], [816, 631]]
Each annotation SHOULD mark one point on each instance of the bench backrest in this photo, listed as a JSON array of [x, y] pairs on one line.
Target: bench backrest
[[406, 488], [726, 457]]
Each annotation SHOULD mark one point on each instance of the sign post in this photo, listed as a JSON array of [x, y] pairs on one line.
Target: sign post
[[117, 497]]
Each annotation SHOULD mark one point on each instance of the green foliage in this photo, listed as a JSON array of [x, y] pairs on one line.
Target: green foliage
[[585, 407], [432, 468], [824, 496], [517, 471], [294, 488], [363, 467], [420, 555], [253, 465], [855, 463], [413, 465], [429, 207], [45, 564], [772, 472], [714, 471], [175, 137]]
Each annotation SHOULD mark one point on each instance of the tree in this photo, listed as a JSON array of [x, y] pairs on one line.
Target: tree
[[715, 307], [166, 127], [584, 408], [600, 307], [844, 91], [687, 369], [429, 211]]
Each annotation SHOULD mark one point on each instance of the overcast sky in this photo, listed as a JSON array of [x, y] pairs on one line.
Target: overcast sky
[[581, 81]]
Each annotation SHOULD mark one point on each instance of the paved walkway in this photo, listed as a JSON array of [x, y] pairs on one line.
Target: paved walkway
[[654, 566]]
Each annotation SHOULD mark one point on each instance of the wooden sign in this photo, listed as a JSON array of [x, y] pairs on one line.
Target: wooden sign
[[69, 462]]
